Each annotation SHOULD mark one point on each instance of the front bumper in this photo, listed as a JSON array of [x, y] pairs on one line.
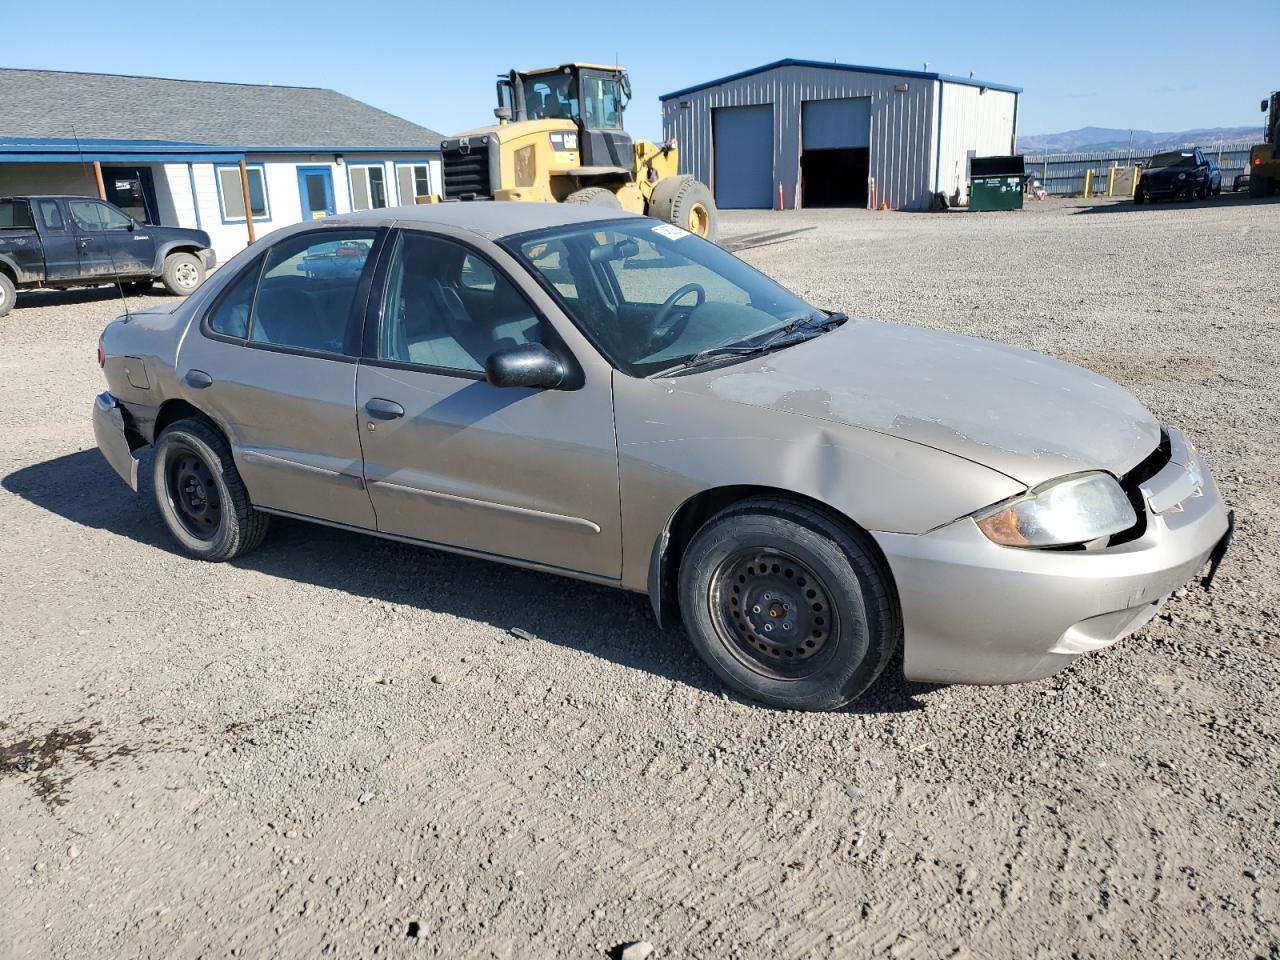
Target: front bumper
[[113, 441], [976, 612], [208, 258], [1170, 188]]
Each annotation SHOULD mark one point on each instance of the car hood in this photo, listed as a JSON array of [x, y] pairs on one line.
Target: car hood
[[1167, 171], [1029, 416]]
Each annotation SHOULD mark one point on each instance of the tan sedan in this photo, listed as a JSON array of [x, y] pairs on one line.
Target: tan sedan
[[608, 397]]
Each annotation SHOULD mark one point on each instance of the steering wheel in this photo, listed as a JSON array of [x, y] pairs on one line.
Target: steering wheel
[[667, 323]]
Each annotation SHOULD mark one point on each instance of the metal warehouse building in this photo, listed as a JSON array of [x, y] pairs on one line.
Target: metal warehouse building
[[801, 133]]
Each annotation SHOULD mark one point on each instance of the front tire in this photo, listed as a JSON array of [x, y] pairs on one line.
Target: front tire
[[8, 294], [182, 273], [594, 197], [686, 202], [787, 606], [200, 495]]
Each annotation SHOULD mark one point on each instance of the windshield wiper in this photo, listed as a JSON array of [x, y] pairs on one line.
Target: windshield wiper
[[775, 338]]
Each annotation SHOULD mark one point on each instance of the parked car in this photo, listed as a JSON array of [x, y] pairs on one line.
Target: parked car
[[1178, 174], [602, 395], [62, 242], [1241, 182], [1215, 177]]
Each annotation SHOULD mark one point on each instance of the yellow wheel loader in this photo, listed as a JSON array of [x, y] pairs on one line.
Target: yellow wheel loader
[[1264, 158], [559, 139]]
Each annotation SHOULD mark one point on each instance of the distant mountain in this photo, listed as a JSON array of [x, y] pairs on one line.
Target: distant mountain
[[1089, 139]]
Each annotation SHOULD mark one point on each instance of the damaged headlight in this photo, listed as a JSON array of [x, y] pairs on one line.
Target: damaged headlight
[[1070, 510]]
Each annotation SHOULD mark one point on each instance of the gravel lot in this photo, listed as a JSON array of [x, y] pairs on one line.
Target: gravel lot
[[338, 746]]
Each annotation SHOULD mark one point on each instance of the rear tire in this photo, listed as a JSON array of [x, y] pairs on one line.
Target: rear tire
[[200, 495], [182, 273], [686, 202], [788, 606], [594, 197], [8, 294]]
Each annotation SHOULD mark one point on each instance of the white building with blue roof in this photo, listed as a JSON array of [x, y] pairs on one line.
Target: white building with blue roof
[[188, 153]]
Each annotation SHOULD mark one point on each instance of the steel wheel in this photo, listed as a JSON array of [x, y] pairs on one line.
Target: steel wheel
[[186, 275], [699, 219], [193, 493], [773, 613]]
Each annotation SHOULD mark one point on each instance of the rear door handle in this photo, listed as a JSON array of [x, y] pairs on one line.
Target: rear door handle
[[381, 409], [198, 379]]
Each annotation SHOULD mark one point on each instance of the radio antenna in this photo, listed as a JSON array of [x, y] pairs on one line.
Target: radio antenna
[[115, 274]]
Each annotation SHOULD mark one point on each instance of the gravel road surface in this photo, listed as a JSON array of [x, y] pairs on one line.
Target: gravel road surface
[[337, 746]]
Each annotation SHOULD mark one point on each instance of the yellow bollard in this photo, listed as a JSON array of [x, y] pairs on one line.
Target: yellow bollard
[[1088, 184], [1137, 175], [1111, 181]]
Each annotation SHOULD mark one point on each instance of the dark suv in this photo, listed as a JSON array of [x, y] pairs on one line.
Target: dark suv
[[1179, 174]]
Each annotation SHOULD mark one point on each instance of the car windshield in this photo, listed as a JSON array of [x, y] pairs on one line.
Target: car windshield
[[652, 296], [1174, 160]]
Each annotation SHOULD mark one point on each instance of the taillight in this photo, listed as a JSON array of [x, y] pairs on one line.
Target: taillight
[[1257, 161], [102, 354]]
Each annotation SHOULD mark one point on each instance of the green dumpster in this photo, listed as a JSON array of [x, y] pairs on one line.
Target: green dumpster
[[995, 183]]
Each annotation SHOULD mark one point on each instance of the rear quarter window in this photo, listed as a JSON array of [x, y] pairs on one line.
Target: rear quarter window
[[16, 214], [230, 314]]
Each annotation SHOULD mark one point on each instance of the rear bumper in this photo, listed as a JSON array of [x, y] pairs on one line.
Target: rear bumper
[[113, 442], [975, 612]]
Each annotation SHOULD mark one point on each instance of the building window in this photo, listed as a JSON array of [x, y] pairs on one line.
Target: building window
[[232, 195], [413, 180], [368, 186]]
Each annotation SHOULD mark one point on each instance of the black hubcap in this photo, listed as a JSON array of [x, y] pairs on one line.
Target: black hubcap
[[773, 613], [194, 494]]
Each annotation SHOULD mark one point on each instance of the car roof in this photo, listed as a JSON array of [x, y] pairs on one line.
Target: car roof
[[490, 218], [48, 196]]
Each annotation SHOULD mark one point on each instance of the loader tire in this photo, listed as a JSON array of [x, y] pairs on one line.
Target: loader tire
[[686, 202], [594, 197]]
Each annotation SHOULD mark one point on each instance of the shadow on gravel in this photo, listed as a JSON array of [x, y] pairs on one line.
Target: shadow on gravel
[[156, 296], [609, 623], [1128, 206]]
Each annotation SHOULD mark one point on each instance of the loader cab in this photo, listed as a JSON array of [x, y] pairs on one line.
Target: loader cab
[[592, 97]]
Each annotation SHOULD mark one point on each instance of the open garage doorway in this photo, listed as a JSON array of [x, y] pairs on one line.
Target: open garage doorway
[[835, 157]]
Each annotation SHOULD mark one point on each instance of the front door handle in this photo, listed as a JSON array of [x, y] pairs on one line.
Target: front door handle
[[198, 379], [381, 409]]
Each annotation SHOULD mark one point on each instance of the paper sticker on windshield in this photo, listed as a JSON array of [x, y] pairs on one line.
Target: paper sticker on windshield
[[671, 231]]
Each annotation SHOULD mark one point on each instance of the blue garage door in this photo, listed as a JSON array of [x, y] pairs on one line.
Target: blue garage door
[[837, 124], [743, 145]]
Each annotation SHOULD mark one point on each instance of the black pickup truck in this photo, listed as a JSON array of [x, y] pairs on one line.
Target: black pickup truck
[[62, 242]]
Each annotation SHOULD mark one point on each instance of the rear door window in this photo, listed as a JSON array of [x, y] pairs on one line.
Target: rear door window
[[230, 315], [307, 294], [50, 215]]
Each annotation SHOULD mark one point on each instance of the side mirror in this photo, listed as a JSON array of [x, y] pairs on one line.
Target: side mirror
[[528, 365], [133, 225], [1265, 105]]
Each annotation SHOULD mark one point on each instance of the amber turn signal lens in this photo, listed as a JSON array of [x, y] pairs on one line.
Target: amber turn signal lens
[[1002, 528]]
